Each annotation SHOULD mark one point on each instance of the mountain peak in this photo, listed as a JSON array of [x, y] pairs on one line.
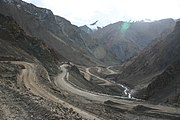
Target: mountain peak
[[86, 29], [177, 27]]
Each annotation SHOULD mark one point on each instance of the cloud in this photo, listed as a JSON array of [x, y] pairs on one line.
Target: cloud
[[81, 12]]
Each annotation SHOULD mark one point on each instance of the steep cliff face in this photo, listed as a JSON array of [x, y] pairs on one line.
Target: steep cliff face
[[156, 70], [165, 87], [126, 39], [16, 45], [56, 31], [156, 57]]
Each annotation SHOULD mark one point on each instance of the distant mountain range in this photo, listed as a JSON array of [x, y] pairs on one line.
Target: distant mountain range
[[74, 43], [123, 40]]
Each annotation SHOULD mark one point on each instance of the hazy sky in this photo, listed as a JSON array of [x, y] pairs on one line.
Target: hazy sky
[[81, 12]]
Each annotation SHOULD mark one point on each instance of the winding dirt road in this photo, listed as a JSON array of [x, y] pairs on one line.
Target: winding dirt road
[[102, 79], [127, 92], [30, 79], [124, 104], [61, 82], [111, 71]]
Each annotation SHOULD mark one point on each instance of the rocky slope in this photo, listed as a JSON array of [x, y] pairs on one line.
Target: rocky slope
[[57, 32], [16, 101], [123, 40], [112, 44], [26, 62], [166, 86], [154, 61], [16, 45], [86, 29]]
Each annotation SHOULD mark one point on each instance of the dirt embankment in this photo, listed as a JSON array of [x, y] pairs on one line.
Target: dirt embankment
[[19, 103], [29, 77]]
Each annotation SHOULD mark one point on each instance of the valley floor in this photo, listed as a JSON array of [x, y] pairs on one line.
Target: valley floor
[[82, 102]]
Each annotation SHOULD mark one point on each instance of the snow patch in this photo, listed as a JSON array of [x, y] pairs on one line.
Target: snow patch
[[47, 11], [93, 27], [18, 6]]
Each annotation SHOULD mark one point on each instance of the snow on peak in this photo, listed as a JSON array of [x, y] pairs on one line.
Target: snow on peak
[[18, 6]]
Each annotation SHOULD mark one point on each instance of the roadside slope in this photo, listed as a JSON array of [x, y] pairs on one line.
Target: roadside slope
[[152, 68], [30, 79], [153, 60]]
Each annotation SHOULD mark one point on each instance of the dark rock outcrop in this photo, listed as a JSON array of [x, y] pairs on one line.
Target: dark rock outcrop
[[165, 87]]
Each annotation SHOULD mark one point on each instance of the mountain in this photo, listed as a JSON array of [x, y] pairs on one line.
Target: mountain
[[156, 68], [123, 40], [57, 32], [86, 29], [108, 45], [45, 73], [15, 100], [16, 45], [165, 87]]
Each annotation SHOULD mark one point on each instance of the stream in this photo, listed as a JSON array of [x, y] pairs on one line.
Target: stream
[[127, 91]]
